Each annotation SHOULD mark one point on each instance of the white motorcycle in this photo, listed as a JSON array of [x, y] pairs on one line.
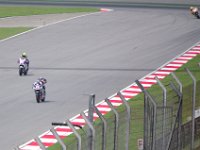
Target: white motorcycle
[[40, 92], [23, 67]]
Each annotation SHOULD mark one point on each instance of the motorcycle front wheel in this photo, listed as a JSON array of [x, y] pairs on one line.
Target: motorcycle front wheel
[[20, 71], [43, 99], [37, 97], [25, 73]]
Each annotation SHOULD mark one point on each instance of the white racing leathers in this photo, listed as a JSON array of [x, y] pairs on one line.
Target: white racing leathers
[[23, 66], [195, 12]]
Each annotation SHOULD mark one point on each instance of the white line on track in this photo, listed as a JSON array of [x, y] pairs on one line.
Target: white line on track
[[49, 25]]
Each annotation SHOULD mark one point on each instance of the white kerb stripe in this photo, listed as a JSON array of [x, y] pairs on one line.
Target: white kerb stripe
[[134, 89], [192, 51], [192, 55], [147, 85], [62, 127], [174, 65], [48, 140], [153, 76], [186, 58], [117, 104], [60, 133], [148, 80], [79, 120], [115, 98], [198, 48], [171, 69], [103, 109], [129, 94], [162, 72], [180, 61]]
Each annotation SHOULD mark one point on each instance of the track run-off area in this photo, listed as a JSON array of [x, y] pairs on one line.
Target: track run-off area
[[98, 53]]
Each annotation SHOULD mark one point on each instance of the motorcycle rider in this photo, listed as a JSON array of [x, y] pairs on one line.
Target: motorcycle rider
[[194, 10], [24, 59], [41, 81]]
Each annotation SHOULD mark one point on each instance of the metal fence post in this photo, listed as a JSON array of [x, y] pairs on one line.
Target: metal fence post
[[164, 111], [178, 119], [104, 127], [153, 141], [40, 143], [91, 116], [145, 120], [76, 134], [128, 109], [58, 138], [178, 81], [92, 129], [180, 99], [91, 107], [116, 122], [193, 107]]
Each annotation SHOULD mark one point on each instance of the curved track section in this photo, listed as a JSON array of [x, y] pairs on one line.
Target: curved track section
[[48, 138], [99, 53], [108, 3]]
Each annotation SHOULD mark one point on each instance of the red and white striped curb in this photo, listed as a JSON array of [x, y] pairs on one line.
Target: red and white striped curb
[[105, 10], [129, 92]]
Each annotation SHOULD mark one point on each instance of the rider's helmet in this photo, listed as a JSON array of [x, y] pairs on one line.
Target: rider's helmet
[[191, 7], [43, 80], [24, 55]]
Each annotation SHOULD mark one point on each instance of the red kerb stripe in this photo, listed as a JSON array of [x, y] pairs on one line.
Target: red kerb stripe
[[64, 129]]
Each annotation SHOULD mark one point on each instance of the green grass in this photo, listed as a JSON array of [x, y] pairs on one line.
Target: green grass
[[137, 102], [8, 32], [137, 111], [9, 11]]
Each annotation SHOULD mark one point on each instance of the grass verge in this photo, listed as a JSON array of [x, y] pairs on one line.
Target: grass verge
[[10, 11], [8, 32]]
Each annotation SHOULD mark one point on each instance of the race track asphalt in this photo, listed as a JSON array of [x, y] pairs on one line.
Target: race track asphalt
[[100, 53]]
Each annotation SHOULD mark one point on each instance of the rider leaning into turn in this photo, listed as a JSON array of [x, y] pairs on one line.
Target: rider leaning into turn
[[24, 59]]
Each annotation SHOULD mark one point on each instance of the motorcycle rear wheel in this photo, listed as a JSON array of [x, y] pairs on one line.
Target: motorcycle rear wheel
[[43, 99]]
